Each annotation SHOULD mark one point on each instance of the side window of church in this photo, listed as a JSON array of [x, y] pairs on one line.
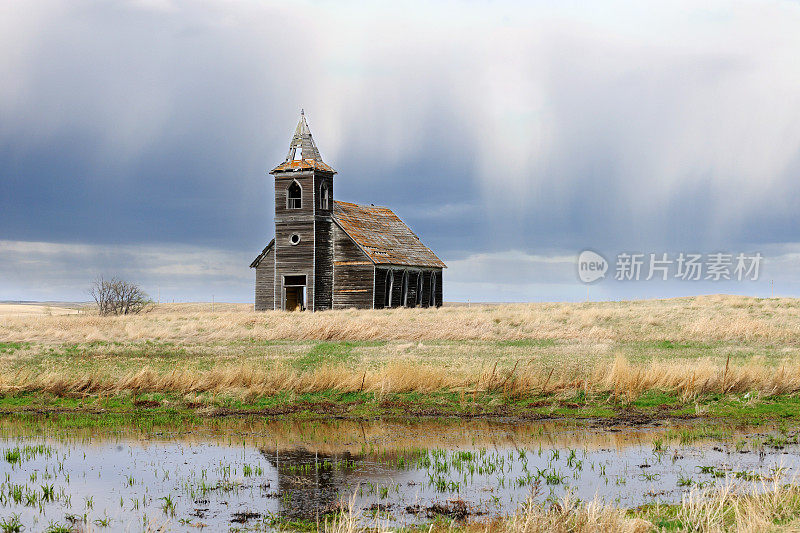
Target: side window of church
[[293, 198], [323, 197]]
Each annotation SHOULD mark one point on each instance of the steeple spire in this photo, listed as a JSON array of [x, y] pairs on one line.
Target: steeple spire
[[303, 153], [302, 146]]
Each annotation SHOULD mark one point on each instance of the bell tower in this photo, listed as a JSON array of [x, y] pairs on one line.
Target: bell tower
[[303, 226]]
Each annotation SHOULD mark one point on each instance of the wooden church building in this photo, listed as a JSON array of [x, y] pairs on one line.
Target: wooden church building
[[328, 254]]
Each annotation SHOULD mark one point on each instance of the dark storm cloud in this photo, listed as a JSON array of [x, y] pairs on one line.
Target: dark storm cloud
[[498, 138], [135, 125]]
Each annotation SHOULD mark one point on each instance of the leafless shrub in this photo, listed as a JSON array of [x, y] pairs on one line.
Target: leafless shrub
[[118, 297]]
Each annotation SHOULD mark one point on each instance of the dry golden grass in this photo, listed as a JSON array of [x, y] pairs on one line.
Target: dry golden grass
[[692, 346], [700, 319], [32, 309], [570, 516], [772, 507], [762, 509], [621, 379]]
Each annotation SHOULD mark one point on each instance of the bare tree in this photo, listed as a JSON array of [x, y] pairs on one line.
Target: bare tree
[[118, 297]]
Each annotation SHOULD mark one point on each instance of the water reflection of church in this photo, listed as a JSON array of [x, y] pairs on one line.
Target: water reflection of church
[[311, 484]]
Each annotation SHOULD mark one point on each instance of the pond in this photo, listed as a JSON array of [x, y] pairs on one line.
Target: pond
[[250, 474]]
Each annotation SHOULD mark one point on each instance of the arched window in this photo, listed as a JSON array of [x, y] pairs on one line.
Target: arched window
[[387, 300], [293, 196], [419, 289], [324, 202], [404, 292], [432, 300]]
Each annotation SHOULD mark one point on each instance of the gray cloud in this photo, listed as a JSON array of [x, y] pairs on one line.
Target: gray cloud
[[494, 130], [53, 271]]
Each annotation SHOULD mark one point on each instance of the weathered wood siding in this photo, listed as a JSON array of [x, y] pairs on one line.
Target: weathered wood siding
[[413, 276], [380, 287], [323, 264], [282, 183], [339, 274], [439, 296], [397, 289], [265, 278], [426, 288], [353, 273], [313, 256], [326, 179], [323, 243], [294, 259]]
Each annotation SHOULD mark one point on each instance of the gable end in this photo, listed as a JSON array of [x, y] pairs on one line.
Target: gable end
[[263, 254]]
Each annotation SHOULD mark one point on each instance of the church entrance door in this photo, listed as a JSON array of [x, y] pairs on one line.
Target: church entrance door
[[294, 298], [294, 293]]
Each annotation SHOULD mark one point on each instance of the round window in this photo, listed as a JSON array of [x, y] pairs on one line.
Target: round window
[[294, 239]]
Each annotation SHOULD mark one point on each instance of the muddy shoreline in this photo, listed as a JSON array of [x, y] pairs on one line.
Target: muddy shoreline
[[628, 418]]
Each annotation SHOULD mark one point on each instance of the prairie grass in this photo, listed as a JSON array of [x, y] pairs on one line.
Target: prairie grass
[[700, 319], [687, 346], [772, 507], [621, 379]]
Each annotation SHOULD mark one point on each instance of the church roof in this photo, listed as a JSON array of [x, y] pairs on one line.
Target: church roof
[[263, 253], [303, 153], [383, 236]]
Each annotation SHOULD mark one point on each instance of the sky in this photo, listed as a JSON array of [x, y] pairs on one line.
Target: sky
[[136, 138]]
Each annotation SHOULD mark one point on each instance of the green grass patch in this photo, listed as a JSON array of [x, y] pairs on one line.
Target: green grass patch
[[651, 399], [325, 353], [11, 347], [735, 409], [528, 343]]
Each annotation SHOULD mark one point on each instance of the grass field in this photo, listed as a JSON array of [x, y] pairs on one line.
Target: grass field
[[733, 359], [712, 355]]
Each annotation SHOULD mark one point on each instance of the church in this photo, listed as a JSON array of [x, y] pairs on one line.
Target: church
[[328, 254]]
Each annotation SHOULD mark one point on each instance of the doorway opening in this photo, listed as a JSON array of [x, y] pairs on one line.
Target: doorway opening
[[294, 293], [388, 287]]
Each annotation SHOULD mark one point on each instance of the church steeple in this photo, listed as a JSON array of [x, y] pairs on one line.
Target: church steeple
[[303, 153]]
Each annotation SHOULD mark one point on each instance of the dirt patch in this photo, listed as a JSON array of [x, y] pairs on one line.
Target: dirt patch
[[147, 403], [394, 404], [388, 410]]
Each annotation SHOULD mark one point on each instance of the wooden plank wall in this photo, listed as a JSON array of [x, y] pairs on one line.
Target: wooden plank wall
[[397, 289], [412, 287], [319, 179], [323, 264], [426, 288], [353, 281], [353, 273], [265, 277], [380, 280], [439, 296], [282, 182], [298, 259]]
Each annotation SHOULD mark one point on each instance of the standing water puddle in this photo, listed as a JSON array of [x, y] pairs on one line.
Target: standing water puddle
[[245, 474]]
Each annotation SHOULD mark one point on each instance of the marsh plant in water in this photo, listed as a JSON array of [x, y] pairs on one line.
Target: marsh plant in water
[[251, 474]]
